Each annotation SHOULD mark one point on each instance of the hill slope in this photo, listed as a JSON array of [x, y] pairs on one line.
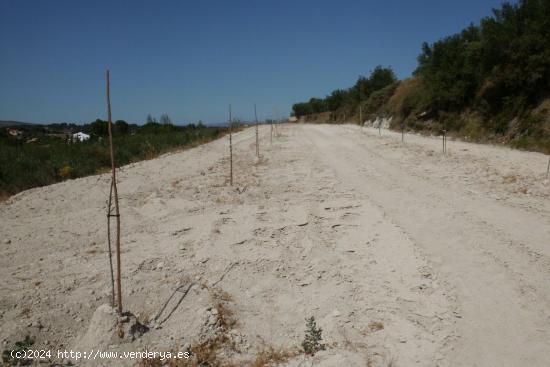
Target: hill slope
[[489, 82]]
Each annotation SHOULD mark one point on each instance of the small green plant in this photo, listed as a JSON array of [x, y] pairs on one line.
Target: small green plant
[[65, 172], [312, 341], [20, 348]]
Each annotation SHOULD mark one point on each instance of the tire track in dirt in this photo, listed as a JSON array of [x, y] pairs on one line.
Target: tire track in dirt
[[499, 324]]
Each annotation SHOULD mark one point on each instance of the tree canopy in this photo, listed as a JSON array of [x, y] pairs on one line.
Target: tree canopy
[[379, 78], [501, 65]]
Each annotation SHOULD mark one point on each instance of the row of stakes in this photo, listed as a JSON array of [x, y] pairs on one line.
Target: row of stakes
[[257, 140], [116, 295], [113, 202], [443, 140]]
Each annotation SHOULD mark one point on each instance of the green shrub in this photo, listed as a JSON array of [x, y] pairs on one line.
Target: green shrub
[[312, 340]]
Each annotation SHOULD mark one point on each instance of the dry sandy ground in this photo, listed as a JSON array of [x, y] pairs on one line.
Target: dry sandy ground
[[403, 256]]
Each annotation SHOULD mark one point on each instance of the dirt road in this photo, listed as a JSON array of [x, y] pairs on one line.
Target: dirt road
[[403, 255], [490, 245]]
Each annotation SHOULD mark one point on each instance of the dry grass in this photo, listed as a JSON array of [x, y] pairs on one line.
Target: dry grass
[[522, 190], [209, 352], [225, 317], [510, 179], [220, 295], [376, 326], [213, 352], [272, 357], [206, 353], [403, 90], [144, 317], [220, 298], [322, 117]]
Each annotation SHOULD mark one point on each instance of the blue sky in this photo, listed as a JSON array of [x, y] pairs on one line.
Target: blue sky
[[191, 59]]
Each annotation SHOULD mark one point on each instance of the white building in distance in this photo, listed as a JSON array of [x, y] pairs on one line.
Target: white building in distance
[[80, 136]]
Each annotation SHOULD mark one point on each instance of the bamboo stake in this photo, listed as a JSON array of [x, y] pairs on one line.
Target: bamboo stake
[[115, 192], [230, 148], [257, 141], [110, 207]]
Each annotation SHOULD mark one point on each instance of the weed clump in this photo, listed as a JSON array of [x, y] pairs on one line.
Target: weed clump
[[312, 340]]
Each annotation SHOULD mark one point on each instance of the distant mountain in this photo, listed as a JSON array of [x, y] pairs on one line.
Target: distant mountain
[[217, 124], [4, 123]]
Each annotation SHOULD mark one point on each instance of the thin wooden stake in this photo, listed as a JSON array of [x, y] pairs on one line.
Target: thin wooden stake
[[548, 168], [230, 148], [115, 192], [257, 140], [110, 207], [444, 138]]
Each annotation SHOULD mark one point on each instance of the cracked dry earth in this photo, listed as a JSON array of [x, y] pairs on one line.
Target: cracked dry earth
[[403, 256]]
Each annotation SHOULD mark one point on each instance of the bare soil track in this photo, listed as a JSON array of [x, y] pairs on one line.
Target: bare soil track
[[405, 256]]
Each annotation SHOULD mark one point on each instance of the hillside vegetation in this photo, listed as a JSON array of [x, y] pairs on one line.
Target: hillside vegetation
[[489, 82], [369, 92]]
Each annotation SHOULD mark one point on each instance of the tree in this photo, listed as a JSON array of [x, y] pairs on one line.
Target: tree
[[379, 78], [165, 119], [121, 127], [99, 128]]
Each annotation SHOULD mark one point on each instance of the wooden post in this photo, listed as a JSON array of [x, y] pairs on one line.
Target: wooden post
[[380, 128], [115, 192], [548, 168], [230, 148], [257, 141], [109, 210], [444, 137], [110, 207]]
